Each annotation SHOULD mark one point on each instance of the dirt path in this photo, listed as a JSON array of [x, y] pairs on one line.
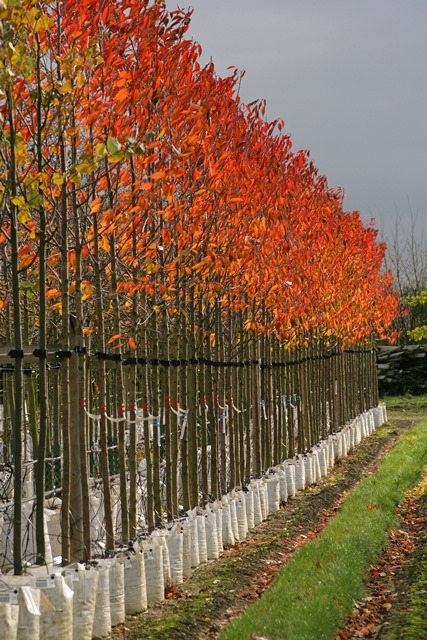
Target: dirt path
[[219, 591]]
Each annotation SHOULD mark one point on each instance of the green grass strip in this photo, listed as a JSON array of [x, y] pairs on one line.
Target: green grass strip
[[316, 590]]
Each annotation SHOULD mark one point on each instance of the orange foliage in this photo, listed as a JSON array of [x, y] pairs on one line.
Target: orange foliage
[[200, 194]]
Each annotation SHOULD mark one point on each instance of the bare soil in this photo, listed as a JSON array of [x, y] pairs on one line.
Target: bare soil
[[221, 590]]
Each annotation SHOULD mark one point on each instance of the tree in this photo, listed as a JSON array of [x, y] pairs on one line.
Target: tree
[[406, 258]]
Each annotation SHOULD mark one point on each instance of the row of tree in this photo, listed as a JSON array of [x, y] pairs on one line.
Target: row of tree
[[146, 212]]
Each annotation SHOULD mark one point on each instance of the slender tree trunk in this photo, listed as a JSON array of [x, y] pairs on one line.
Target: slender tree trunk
[[256, 402], [42, 347], [65, 374], [79, 387], [76, 497], [132, 379], [192, 395], [204, 484], [145, 345], [119, 395], [155, 407], [223, 426], [103, 430], [173, 420], [212, 417], [18, 347]]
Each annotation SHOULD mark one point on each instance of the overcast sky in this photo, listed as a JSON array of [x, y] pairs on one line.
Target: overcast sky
[[348, 77]]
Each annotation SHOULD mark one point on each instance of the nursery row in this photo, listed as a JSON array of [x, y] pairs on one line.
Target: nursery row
[[153, 223], [87, 601]]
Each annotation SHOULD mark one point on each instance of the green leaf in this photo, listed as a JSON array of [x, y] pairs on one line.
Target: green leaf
[[113, 146], [418, 334], [417, 300], [34, 198], [100, 149]]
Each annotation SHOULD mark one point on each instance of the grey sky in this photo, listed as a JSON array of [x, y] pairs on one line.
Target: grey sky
[[349, 78]]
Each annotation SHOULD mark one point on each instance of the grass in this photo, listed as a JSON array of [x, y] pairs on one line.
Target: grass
[[315, 592], [406, 403]]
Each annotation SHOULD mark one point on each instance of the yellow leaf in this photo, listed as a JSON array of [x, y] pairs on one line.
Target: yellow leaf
[[85, 167], [75, 178], [43, 23], [100, 149], [116, 157], [67, 87], [56, 307], [80, 80], [72, 131], [23, 216], [87, 290], [18, 201], [58, 178]]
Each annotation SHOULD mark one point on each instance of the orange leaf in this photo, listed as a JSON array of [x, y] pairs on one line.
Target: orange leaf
[[72, 258], [53, 293], [116, 336], [122, 95], [96, 205], [132, 343], [158, 175]]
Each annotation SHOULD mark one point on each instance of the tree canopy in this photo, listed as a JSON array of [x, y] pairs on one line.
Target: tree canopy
[[113, 118]]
